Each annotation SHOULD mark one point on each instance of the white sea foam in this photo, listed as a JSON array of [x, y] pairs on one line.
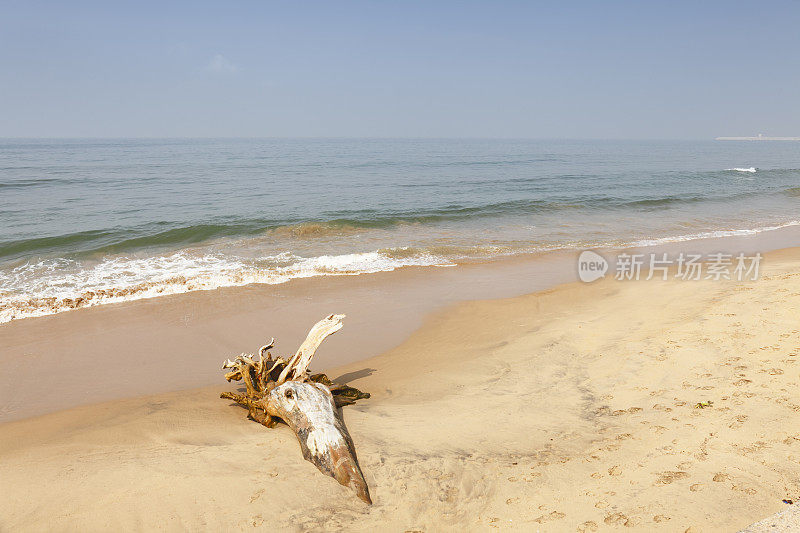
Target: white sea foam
[[711, 235], [750, 169], [55, 285], [52, 286]]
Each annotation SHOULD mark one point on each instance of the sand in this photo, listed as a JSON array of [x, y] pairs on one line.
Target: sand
[[177, 342], [572, 409]]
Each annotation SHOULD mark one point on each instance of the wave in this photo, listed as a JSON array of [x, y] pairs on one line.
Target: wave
[[91, 242], [458, 163], [160, 235], [19, 184], [710, 235], [456, 252], [665, 201], [750, 169], [53, 286], [311, 230], [166, 235]]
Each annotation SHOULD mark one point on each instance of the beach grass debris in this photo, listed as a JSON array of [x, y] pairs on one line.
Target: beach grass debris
[[283, 390], [703, 405]]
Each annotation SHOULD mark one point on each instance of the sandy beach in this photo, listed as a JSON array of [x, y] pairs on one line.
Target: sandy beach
[[569, 409], [411, 267]]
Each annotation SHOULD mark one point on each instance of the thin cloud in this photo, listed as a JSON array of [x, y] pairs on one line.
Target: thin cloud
[[220, 64]]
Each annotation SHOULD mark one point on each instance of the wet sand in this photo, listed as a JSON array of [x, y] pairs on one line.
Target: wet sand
[[171, 343], [178, 342], [573, 408]]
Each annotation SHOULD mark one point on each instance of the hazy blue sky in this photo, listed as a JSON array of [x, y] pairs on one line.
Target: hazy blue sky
[[409, 69]]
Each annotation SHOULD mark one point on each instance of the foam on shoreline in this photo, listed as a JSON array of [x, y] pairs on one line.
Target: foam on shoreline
[[122, 279], [52, 286]]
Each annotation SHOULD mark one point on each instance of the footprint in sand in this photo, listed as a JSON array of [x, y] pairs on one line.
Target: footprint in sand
[[747, 490], [719, 477], [667, 477], [619, 519], [555, 515], [738, 421], [588, 527]]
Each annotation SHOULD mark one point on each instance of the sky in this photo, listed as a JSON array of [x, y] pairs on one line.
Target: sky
[[502, 69]]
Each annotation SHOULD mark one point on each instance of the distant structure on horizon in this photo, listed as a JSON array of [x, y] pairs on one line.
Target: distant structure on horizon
[[759, 138]]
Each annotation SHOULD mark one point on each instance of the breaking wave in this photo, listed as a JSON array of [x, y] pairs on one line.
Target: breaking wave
[[52, 286], [173, 236]]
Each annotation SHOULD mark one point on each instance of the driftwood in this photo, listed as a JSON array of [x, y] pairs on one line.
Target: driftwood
[[281, 390]]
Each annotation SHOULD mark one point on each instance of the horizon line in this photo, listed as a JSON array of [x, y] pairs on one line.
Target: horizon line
[[355, 137]]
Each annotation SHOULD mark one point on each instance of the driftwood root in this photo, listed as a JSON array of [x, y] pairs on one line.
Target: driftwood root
[[282, 390]]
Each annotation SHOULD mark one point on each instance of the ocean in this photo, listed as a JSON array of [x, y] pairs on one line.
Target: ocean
[[87, 222]]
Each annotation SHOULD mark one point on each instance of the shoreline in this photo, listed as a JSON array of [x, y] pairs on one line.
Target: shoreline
[[185, 279], [569, 408], [177, 342]]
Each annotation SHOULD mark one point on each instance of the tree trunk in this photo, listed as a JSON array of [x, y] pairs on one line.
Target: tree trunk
[[309, 409]]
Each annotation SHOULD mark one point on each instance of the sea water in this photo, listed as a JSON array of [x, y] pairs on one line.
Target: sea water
[[86, 222]]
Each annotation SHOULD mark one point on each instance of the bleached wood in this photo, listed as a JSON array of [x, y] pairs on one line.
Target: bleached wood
[[297, 367], [266, 347], [309, 409], [306, 403]]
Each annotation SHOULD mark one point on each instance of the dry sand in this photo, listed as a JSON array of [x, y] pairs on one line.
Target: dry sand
[[572, 409]]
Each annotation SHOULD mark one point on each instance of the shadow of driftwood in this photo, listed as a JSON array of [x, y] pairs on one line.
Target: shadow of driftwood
[[344, 379]]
